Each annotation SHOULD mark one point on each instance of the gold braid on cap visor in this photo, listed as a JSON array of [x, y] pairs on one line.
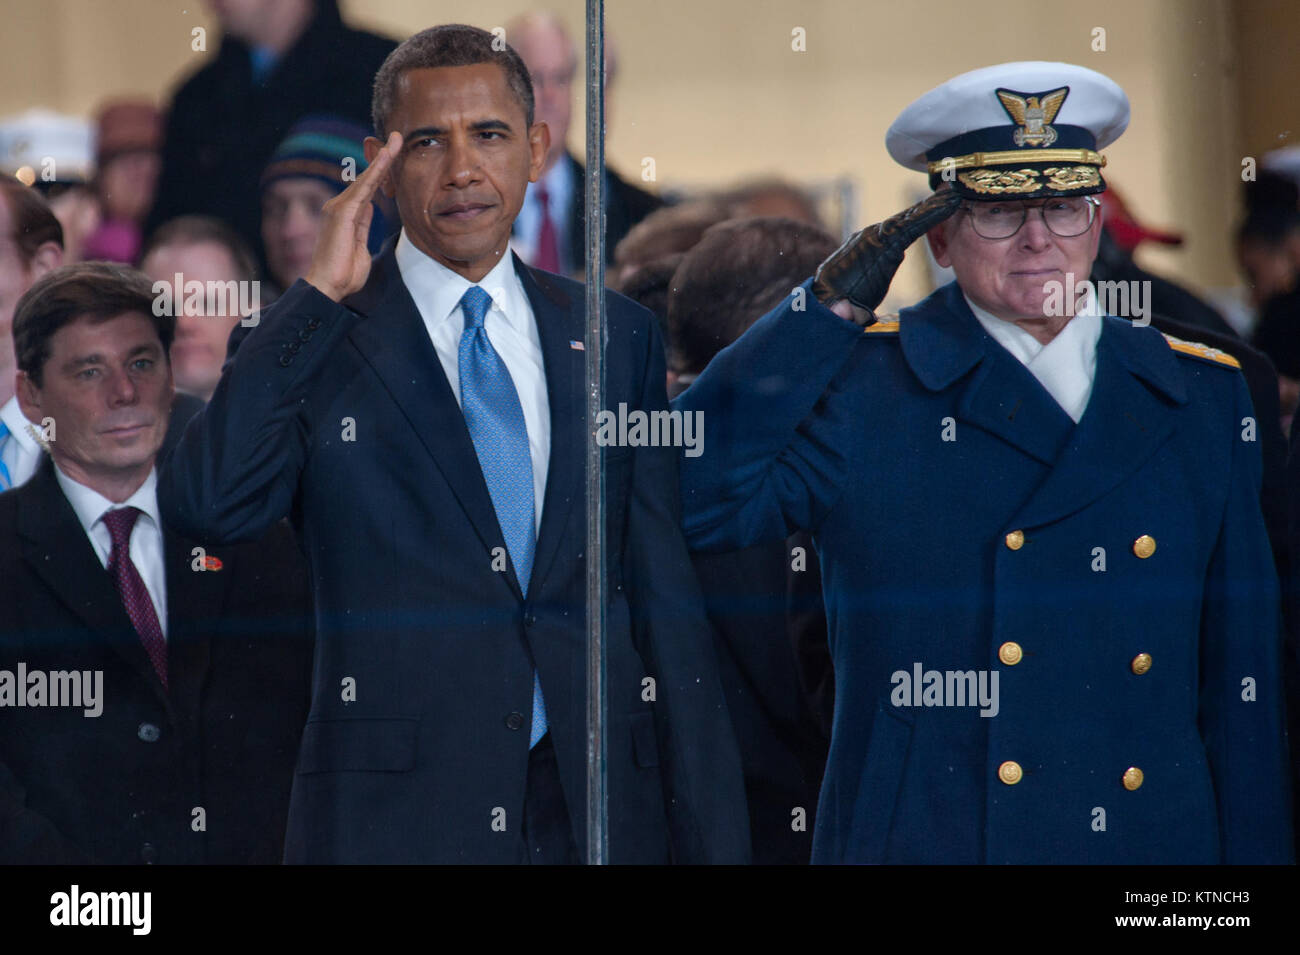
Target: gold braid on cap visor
[[1025, 180], [1012, 157]]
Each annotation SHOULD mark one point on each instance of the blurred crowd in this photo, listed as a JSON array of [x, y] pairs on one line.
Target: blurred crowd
[[226, 183]]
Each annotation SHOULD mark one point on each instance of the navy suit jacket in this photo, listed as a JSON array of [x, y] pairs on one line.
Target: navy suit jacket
[[957, 509], [416, 750], [122, 787]]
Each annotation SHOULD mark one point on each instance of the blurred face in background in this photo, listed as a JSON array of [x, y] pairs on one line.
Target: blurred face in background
[[17, 274], [79, 212], [127, 183], [1269, 268], [291, 219], [258, 22], [546, 51], [202, 330]]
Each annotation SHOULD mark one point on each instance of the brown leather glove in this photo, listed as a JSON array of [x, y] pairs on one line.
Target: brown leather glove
[[861, 269]]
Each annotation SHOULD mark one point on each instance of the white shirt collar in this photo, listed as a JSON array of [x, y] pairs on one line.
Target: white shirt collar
[[1065, 366], [18, 425], [91, 506], [437, 290], [559, 183]]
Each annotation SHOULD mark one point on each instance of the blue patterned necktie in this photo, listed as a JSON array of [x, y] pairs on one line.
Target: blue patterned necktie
[[496, 425], [6, 481]]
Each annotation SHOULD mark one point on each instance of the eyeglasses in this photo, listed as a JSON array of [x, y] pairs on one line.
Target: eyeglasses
[[561, 78], [1064, 216]]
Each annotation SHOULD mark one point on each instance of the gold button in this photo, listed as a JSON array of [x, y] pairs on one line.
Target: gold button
[[1144, 546], [1016, 540], [1010, 772], [1010, 653], [1141, 663], [1132, 778]]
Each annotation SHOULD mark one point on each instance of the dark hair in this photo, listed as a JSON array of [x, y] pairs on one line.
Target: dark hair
[[738, 272], [669, 230], [749, 199], [1269, 226], [34, 223], [453, 44], [1271, 190], [98, 291], [648, 285], [192, 230]]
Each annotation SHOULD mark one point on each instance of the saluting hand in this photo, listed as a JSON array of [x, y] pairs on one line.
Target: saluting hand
[[858, 273], [340, 262]]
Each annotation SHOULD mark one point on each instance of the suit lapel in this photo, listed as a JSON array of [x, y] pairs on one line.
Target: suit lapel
[[1131, 413], [55, 547], [559, 322], [394, 342]]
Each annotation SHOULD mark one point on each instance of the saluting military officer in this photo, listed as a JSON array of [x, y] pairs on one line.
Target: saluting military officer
[[1052, 602]]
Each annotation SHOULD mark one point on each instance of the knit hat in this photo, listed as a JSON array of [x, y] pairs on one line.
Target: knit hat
[[318, 147]]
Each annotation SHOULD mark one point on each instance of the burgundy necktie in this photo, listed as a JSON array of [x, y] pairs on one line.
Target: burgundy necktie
[[548, 241], [135, 596]]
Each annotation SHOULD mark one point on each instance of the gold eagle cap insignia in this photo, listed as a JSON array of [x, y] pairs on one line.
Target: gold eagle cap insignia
[[1033, 113]]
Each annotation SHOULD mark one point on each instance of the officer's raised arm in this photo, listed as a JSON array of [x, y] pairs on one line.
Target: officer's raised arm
[[853, 281], [773, 461]]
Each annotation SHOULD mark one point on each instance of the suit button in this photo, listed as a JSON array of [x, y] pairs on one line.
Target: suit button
[[1010, 772], [148, 854], [1144, 546], [304, 334], [313, 323], [1010, 653], [1141, 663], [530, 619], [286, 361], [514, 721], [1133, 778], [293, 347], [1016, 540], [148, 732]]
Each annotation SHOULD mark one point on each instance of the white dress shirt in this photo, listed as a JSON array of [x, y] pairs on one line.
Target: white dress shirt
[[18, 449], [559, 180], [511, 328], [146, 534], [1065, 366]]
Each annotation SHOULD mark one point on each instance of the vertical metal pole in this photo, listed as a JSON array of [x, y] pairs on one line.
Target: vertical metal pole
[[597, 798]]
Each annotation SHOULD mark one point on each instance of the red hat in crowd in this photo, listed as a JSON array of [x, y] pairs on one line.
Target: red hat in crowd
[[1127, 232]]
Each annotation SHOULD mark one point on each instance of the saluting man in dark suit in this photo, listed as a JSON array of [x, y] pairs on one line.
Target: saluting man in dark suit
[[1053, 605], [191, 663], [421, 418]]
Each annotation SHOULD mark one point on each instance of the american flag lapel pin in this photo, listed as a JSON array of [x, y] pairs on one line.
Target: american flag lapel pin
[[577, 346]]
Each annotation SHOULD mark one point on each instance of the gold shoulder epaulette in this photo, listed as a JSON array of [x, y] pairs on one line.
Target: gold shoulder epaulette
[[1197, 350], [883, 326]]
